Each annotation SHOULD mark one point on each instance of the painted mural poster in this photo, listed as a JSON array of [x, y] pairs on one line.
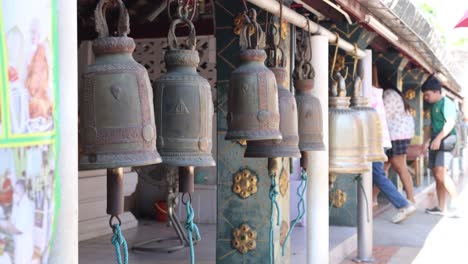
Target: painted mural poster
[[28, 139]]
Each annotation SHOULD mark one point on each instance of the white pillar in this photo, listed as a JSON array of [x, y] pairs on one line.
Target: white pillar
[[317, 185], [364, 189], [65, 245], [365, 71]]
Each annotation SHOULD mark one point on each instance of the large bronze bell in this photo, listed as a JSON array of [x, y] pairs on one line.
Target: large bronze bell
[[116, 114], [288, 146], [371, 121], [347, 140], [253, 112], [183, 106]]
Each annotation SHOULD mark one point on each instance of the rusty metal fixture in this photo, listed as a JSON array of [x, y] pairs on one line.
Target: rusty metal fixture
[[288, 146], [183, 105], [244, 238], [115, 191], [187, 179], [116, 103], [253, 112], [347, 137], [245, 183], [274, 165], [372, 126]]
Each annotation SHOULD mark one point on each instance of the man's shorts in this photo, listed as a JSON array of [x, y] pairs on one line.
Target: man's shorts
[[439, 158], [399, 147]]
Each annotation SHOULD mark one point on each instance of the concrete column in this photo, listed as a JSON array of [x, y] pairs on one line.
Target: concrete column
[[317, 185], [365, 71], [364, 188], [65, 245]]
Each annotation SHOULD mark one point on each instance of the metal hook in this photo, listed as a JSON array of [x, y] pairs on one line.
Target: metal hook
[[346, 73], [355, 57], [112, 218], [335, 56], [186, 201]]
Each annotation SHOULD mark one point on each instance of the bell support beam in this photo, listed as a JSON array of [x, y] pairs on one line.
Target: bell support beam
[[317, 187], [298, 20], [65, 245]]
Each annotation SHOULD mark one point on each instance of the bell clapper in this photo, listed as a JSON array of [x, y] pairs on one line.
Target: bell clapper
[[115, 207]]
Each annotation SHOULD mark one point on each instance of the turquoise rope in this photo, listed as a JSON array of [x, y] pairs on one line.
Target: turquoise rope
[[273, 193], [300, 207], [191, 228], [118, 240], [359, 181]]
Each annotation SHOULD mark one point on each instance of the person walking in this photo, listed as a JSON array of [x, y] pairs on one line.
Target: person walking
[[441, 142], [379, 178], [401, 129]]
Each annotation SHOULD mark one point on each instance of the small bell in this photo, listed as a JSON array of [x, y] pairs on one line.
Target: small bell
[[183, 105], [288, 146], [253, 112], [310, 117], [371, 121], [308, 106], [116, 103], [347, 140]]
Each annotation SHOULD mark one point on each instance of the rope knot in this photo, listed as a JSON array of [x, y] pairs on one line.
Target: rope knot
[[118, 240]]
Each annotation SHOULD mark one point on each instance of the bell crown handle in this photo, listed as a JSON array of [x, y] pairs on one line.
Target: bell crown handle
[[249, 29], [102, 29], [190, 43]]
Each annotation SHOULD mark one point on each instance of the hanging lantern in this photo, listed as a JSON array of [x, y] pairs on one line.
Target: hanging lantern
[[347, 135], [288, 146], [183, 106], [371, 121], [253, 112], [116, 114]]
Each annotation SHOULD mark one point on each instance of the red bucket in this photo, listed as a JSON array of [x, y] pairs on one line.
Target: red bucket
[[160, 208]]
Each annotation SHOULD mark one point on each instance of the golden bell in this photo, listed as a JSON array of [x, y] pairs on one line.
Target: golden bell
[[347, 138], [116, 103], [372, 125], [288, 146]]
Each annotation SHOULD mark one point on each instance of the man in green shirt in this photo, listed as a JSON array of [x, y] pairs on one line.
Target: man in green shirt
[[443, 119]]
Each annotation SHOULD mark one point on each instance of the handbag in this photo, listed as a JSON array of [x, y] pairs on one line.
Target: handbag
[[448, 143]]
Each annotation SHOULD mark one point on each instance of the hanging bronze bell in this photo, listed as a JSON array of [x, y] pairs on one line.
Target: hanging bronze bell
[[371, 121], [347, 139], [116, 103], [310, 116], [253, 112], [182, 101], [288, 145]]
